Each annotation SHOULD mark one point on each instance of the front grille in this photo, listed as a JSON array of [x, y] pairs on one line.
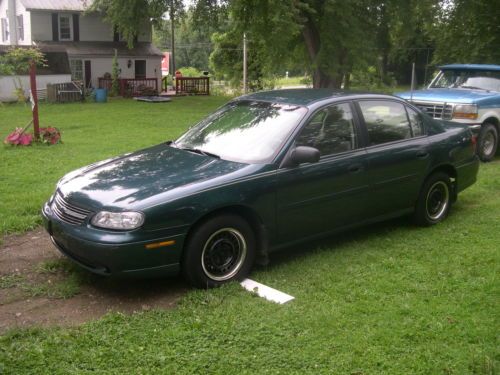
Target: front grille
[[68, 212], [440, 111]]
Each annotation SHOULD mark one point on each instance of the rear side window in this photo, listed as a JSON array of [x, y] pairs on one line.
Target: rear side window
[[386, 121], [416, 122]]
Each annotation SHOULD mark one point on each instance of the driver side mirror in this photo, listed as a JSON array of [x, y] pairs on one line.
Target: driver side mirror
[[304, 154]]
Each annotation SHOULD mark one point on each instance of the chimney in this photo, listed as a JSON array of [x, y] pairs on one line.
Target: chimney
[[11, 14]]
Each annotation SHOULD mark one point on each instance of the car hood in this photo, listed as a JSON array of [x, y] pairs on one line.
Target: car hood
[[132, 180], [447, 95]]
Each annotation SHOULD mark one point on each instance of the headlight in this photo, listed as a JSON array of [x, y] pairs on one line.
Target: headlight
[[118, 220], [465, 111]]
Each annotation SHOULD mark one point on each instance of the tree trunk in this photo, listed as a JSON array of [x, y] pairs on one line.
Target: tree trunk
[[313, 43]]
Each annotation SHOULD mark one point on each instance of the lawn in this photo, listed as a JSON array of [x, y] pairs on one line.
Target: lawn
[[388, 299], [90, 132]]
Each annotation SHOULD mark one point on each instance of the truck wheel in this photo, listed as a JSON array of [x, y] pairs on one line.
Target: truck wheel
[[434, 201], [488, 142], [218, 251]]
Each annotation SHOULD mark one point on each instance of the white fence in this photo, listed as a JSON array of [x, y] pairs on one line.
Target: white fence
[[8, 85]]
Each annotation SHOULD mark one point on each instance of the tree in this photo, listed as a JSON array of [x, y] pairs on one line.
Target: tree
[[468, 32], [115, 76], [17, 61], [327, 36]]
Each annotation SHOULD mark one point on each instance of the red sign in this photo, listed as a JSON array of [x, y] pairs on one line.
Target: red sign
[[165, 62]]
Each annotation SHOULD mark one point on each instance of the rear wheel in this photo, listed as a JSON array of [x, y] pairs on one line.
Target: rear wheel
[[220, 250], [488, 142], [434, 201]]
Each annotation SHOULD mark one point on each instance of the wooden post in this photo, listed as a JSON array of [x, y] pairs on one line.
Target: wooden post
[[34, 100]]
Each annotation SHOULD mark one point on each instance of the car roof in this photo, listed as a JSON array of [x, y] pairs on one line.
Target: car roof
[[470, 67], [307, 97]]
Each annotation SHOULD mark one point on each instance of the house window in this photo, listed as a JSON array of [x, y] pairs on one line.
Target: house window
[[20, 27], [5, 30], [65, 23], [76, 70]]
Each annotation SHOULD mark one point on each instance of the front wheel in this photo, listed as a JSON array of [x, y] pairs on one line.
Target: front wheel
[[220, 250], [488, 142], [434, 201]]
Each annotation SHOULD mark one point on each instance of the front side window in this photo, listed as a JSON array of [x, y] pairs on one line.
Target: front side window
[[331, 131], [244, 131], [76, 70], [65, 27], [386, 121]]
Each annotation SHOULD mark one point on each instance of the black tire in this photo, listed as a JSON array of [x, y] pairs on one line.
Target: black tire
[[487, 142], [220, 250], [434, 201]]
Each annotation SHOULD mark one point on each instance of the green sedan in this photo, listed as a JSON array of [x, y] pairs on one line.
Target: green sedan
[[263, 172]]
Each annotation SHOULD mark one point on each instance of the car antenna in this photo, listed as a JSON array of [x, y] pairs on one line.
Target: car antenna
[[412, 81]]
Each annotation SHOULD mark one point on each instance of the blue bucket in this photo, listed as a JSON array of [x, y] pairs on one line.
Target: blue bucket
[[101, 95]]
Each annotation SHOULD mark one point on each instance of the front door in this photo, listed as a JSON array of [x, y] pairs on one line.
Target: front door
[[88, 73], [321, 197], [140, 69]]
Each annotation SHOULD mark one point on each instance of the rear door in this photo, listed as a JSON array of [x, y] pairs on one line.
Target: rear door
[[397, 155], [315, 198]]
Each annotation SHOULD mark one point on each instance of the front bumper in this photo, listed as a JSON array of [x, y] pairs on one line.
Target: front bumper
[[114, 258]]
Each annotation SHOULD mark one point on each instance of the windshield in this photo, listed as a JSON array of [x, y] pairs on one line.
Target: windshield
[[468, 79], [244, 131]]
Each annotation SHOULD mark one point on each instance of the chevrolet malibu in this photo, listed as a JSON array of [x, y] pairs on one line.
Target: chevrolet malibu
[[263, 172]]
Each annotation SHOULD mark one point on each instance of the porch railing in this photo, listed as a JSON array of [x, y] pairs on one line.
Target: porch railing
[[132, 86], [192, 85]]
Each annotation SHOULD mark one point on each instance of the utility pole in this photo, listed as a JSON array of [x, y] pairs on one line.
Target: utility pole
[[172, 27], [245, 89]]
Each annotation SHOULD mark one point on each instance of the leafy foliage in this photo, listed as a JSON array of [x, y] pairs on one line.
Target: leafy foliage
[[115, 75], [468, 32], [17, 60]]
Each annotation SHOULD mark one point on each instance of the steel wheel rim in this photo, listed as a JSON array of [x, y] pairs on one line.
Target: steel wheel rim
[[437, 200], [223, 254], [488, 143]]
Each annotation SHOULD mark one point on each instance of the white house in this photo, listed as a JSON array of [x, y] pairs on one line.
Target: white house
[[63, 30]]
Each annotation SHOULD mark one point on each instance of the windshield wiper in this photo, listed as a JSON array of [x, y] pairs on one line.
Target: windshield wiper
[[199, 151]]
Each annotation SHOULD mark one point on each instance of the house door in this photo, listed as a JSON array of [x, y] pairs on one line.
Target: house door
[[140, 69], [88, 74]]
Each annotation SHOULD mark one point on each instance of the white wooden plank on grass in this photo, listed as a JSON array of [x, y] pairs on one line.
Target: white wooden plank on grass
[[266, 292]]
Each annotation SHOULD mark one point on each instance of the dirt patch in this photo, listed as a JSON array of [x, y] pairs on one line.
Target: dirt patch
[[35, 281]]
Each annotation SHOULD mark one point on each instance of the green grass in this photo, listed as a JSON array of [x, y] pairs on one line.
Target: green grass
[[388, 299], [60, 279], [90, 132]]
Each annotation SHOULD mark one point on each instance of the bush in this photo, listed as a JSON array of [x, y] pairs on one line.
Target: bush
[[189, 71]]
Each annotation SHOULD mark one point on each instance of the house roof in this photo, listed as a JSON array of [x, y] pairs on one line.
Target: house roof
[[100, 48], [70, 5]]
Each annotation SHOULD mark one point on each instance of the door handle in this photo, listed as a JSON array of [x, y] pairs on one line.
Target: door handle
[[354, 168], [422, 154]]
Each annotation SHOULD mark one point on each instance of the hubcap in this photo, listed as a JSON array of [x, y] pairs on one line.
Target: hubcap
[[437, 200], [223, 254], [488, 143]]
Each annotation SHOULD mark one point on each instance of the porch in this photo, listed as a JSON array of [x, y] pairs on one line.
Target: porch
[[130, 87]]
